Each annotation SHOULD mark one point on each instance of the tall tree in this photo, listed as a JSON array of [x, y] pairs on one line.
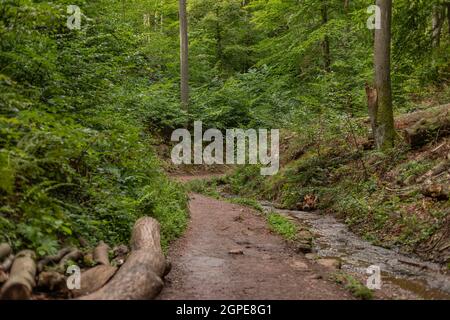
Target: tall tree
[[184, 55], [326, 39], [385, 132], [437, 23]]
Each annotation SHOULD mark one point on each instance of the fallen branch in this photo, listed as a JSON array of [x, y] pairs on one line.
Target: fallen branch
[[73, 255], [140, 276], [52, 259]]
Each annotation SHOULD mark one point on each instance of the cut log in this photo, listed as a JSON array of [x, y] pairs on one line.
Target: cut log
[[101, 255], [52, 281], [21, 281], [407, 120], [93, 279], [428, 129], [140, 276], [52, 259], [5, 251], [436, 191], [3, 277], [7, 263]]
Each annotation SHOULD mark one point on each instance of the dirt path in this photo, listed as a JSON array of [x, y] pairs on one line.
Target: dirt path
[[204, 266]]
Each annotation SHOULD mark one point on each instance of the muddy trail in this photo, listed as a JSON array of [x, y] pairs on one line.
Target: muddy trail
[[228, 252]]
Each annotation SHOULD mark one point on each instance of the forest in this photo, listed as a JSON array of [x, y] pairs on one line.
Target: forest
[[91, 92]]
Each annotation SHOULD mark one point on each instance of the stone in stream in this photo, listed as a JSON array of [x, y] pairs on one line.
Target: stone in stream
[[330, 263], [236, 251], [311, 256], [303, 247]]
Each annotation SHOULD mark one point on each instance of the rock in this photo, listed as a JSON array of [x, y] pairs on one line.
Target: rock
[[305, 235], [297, 264], [311, 256], [236, 251], [330, 263], [303, 247]]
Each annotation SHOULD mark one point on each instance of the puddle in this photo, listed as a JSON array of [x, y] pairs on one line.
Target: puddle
[[334, 239]]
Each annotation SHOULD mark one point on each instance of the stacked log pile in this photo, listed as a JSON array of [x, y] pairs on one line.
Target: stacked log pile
[[134, 274]]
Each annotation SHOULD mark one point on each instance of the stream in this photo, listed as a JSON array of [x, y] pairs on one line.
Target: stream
[[333, 239]]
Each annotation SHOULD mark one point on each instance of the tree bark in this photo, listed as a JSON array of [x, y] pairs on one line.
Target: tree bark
[[184, 55], [448, 16], [326, 40], [219, 38], [140, 277], [385, 132], [372, 106], [21, 281], [437, 23], [346, 5]]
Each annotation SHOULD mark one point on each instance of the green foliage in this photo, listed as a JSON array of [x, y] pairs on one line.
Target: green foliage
[[75, 158]]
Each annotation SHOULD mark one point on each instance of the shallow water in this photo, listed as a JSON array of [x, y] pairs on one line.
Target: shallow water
[[334, 239]]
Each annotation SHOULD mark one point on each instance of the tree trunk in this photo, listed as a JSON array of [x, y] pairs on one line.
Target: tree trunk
[[184, 55], [385, 132], [346, 5], [448, 17], [326, 40], [219, 38], [141, 275], [437, 23]]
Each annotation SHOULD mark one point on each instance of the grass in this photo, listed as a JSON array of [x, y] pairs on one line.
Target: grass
[[205, 187], [247, 202], [209, 188], [354, 286], [282, 226]]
